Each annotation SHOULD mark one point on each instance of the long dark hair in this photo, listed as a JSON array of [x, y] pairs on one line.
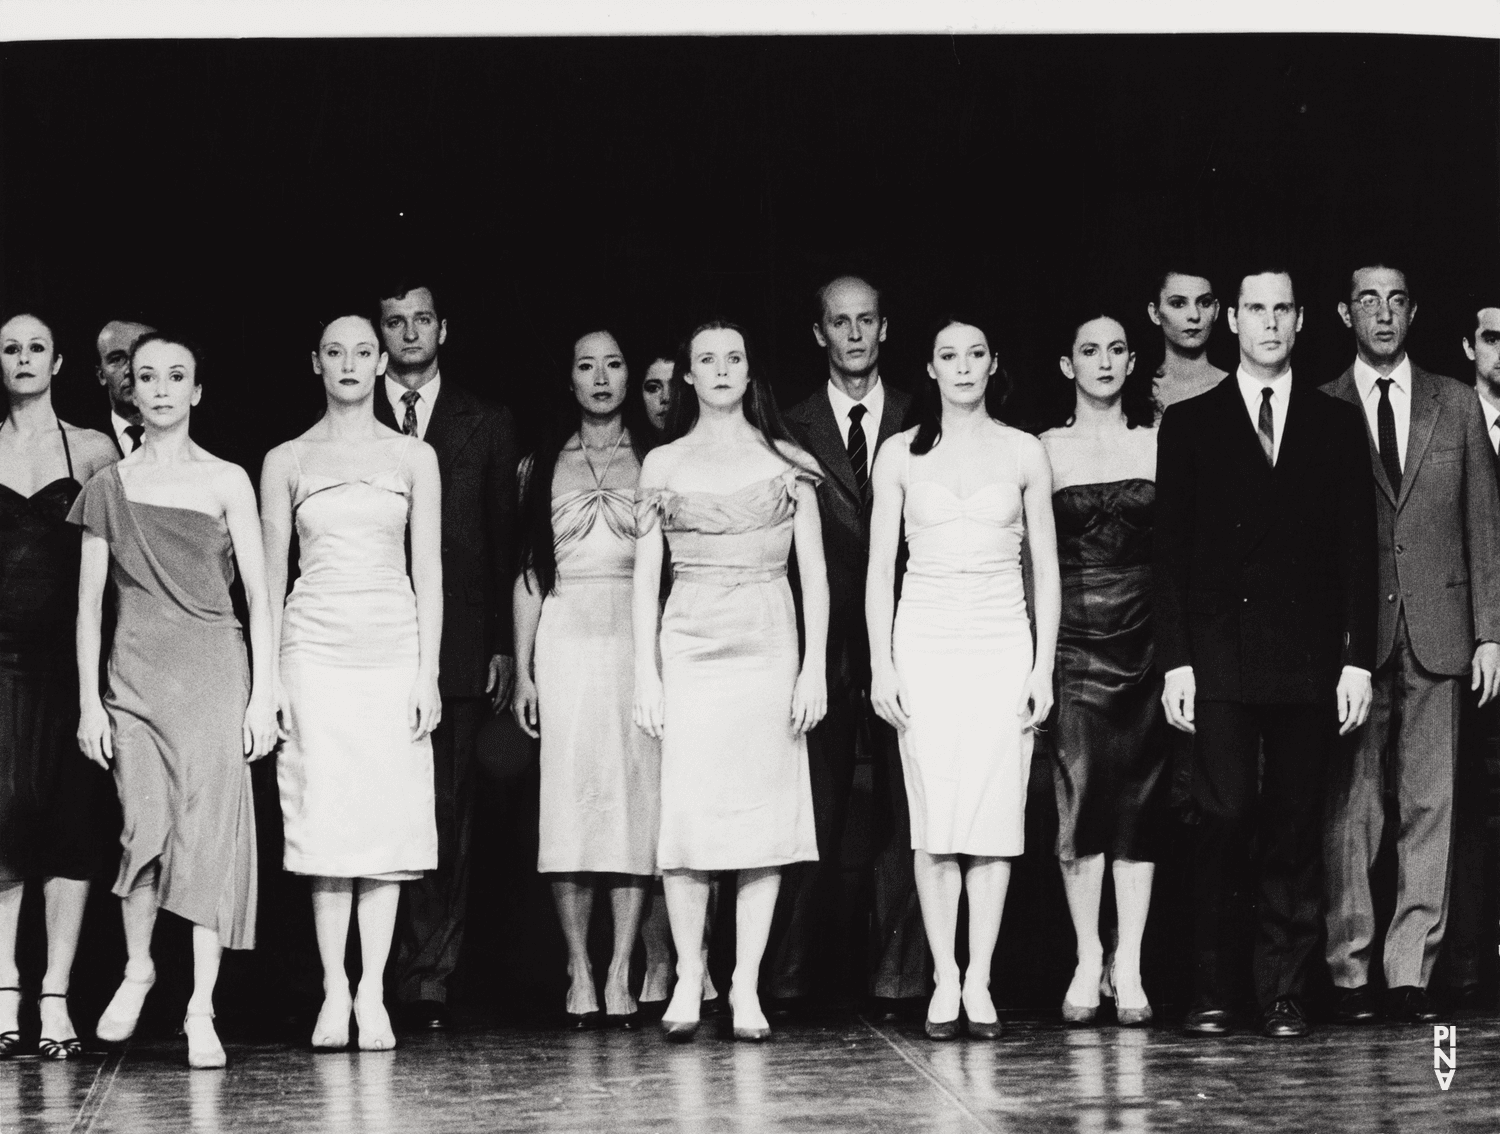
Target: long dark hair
[[760, 403], [930, 405], [1136, 399], [538, 553]]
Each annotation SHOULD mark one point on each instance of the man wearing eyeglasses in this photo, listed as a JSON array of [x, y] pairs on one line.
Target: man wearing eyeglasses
[[1438, 524]]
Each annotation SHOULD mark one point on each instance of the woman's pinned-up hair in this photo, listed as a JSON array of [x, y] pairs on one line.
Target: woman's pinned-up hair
[[930, 403], [172, 338]]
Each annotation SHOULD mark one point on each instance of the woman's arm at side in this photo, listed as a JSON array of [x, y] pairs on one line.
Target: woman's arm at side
[[1041, 536], [810, 698], [243, 522], [887, 697], [645, 597], [526, 615], [427, 582], [93, 724], [276, 543]]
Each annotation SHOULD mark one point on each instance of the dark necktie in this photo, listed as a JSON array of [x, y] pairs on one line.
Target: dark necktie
[[1266, 427], [135, 433], [409, 424], [1385, 433], [858, 457]]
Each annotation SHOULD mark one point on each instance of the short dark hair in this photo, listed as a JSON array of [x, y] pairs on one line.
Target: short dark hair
[[1377, 260], [399, 287], [171, 339], [1265, 268], [1481, 304], [1179, 267], [820, 294]]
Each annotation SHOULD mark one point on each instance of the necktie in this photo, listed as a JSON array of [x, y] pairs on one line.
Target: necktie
[[409, 423], [858, 458], [134, 432], [1266, 427], [1385, 434]]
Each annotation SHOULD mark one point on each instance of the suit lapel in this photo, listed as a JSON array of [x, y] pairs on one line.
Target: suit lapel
[[1347, 388], [892, 418], [828, 445], [383, 412], [1424, 415], [451, 425]]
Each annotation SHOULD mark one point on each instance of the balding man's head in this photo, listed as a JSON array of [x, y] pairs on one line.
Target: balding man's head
[[116, 341]]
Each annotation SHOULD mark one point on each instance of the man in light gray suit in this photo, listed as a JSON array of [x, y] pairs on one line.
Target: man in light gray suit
[[1438, 523]]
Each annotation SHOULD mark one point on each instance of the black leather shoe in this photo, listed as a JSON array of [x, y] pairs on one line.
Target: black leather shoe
[[1408, 1004], [1354, 1005], [428, 1016], [885, 1010], [1207, 1018], [1285, 1020]]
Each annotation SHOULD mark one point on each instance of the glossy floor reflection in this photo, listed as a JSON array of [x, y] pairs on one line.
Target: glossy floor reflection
[[844, 1075]]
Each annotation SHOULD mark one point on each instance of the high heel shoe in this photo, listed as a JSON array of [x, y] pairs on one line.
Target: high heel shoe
[[49, 1048], [331, 1032], [1134, 1017], [941, 1029], [9, 1041], [205, 1052], [1079, 1013], [374, 1034], [119, 1020], [679, 1031]]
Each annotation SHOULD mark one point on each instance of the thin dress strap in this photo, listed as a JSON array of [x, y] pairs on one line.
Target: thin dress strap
[[67, 452]]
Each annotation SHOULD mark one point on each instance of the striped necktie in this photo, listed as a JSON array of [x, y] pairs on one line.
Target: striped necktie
[[858, 455]]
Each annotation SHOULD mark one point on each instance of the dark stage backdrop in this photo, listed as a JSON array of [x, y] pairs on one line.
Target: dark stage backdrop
[[239, 189]]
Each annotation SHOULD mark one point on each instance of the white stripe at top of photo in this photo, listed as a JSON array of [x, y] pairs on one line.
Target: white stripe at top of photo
[[22, 20]]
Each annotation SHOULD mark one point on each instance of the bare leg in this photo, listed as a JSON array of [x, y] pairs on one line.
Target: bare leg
[[1083, 881], [754, 905], [627, 894], [204, 1048], [709, 991], [10, 976], [65, 898], [573, 894], [656, 935], [1133, 902], [687, 905], [138, 912], [939, 884], [377, 925], [333, 899], [986, 882]]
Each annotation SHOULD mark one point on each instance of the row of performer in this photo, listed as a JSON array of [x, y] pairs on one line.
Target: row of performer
[[1267, 599]]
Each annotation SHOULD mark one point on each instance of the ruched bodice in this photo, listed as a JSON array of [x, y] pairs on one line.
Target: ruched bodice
[[948, 534], [593, 534], [733, 537], [1104, 525]]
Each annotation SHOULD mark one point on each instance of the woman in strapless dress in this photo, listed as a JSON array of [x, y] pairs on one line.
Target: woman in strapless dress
[[575, 673], [357, 668], [1110, 745], [57, 812], [959, 678], [733, 700]]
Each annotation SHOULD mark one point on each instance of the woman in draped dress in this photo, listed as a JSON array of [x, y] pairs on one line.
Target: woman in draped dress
[[959, 678], [575, 677], [182, 718], [357, 660], [56, 811], [732, 702], [1110, 744]]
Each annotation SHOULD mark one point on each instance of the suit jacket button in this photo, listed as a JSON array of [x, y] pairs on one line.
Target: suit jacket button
[[1390, 598], [1399, 549]]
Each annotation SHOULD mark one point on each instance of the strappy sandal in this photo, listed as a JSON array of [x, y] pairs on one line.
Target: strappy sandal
[[53, 1048], [9, 1041]]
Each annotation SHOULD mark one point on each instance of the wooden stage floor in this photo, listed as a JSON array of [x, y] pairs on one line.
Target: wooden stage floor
[[841, 1075]]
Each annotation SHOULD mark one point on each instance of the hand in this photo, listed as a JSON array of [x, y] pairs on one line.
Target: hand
[[424, 708], [650, 702], [260, 729], [888, 697], [283, 712], [525, 707], [1177, 696], [809, 698], [94, 735], [1486, 671], [1354, 695], [1036, 701], [501, 681]]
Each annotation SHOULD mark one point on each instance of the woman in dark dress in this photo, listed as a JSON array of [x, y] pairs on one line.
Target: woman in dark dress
[[1110, 750], [181, 719], [55, 807]]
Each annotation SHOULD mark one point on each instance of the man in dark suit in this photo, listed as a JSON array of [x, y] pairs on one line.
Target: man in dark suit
[[843, 425], [476, 450], [1265, 625], [115, 342], [1438, 538]]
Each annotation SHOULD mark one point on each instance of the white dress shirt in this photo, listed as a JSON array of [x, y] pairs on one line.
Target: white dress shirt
[[1365, 377], [1281, 393], [1491, 422], [874, 403], [120, 425], [395, 391]]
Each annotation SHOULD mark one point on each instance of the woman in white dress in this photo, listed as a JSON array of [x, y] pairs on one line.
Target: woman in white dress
[[960, 679], [357, 655]]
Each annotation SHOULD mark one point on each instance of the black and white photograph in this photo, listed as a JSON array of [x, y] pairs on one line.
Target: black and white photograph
[[759, 568]]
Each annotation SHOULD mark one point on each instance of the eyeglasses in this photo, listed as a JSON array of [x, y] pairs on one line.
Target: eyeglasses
[[1400, 303]]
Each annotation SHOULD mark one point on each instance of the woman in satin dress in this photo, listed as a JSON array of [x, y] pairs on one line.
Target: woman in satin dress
[[958, 675], [1110, 747], [357, 660], [575, 676]]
